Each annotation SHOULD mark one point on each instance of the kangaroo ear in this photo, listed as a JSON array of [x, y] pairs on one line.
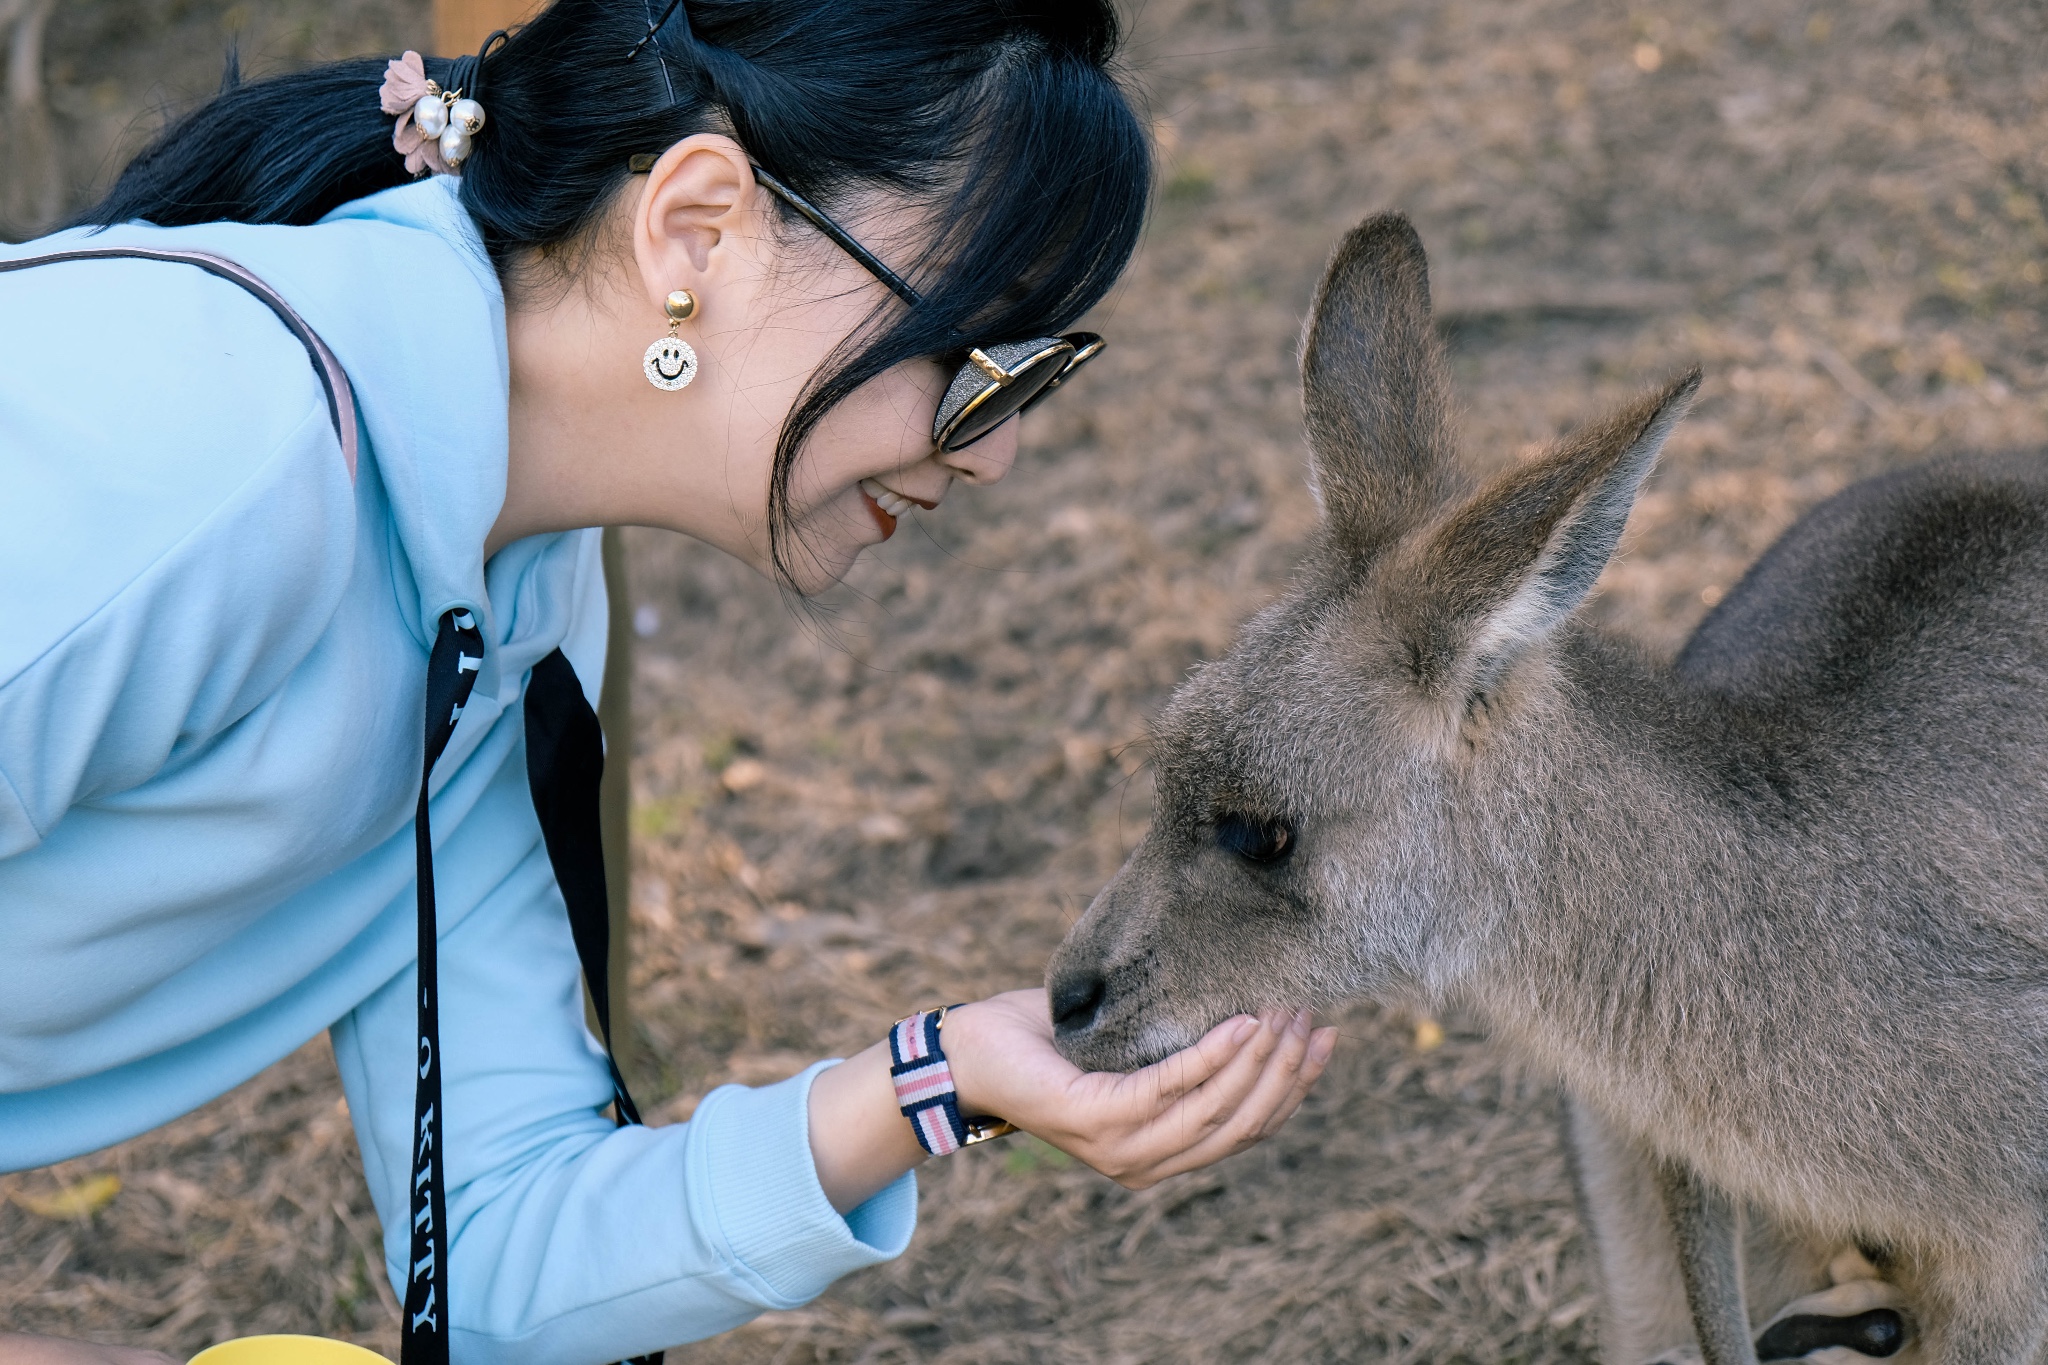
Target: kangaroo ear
[[1374, 389], [1503, 570]]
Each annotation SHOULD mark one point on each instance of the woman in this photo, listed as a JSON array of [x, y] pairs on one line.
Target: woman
[[765, 272]]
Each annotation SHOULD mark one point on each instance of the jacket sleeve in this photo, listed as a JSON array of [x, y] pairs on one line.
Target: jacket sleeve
[[571, 1240]]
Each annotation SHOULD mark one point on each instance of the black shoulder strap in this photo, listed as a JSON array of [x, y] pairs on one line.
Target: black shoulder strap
[[451, 675], [565, 768]]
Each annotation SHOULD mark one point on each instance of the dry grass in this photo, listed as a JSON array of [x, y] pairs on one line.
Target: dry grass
[[1837, 210], [248, 1216]]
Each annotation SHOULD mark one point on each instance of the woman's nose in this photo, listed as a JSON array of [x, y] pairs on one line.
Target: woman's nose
[[987, 460]]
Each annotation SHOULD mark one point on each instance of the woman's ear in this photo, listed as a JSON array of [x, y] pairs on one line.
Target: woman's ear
[[694, 212]]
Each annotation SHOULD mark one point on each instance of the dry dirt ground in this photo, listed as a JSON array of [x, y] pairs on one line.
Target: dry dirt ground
[[1836, 209]]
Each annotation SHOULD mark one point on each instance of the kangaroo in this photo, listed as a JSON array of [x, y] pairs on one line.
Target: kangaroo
[[1775, 915]]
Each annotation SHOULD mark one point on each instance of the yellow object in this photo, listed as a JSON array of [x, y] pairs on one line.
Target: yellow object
[[1429, 1034], [82, 1200], [286, 1350]]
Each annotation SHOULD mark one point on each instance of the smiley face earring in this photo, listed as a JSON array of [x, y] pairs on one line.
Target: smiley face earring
[[670, 363]]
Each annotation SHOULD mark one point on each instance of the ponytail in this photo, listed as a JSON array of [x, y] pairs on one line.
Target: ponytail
[[284, 150]]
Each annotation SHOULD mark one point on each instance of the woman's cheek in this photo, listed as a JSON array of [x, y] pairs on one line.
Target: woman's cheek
[[889, 419], [824, 544]]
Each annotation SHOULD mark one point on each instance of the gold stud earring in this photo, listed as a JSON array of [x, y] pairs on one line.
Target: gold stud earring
[[671, 363]]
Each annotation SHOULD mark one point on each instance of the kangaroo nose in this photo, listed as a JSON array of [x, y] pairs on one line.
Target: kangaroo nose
[[1076, 996]]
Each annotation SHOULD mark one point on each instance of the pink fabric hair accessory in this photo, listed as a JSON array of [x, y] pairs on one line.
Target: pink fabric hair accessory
[[405, 86], [434, 125]]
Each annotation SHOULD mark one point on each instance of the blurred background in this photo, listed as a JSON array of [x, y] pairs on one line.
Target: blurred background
[[1836, 208]]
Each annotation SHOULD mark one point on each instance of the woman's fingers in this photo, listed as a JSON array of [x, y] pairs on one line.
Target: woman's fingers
[[1156, 1128], [1285, 1080], [1202, 1109], [1222, 1116], [1240, 1124], [29, 1349], [1321, 1044], [1168, 1079]]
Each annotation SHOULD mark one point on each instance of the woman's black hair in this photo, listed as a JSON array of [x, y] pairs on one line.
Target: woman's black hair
[[1006, 118]]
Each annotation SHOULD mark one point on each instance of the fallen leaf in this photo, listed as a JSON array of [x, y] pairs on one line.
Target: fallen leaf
[[884, 828], [743, 774], [82, 1200]]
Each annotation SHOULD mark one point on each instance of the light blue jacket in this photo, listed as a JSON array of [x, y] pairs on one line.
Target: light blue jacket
[[213, 647]]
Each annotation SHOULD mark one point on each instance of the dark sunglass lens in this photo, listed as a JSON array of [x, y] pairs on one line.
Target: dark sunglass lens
[[999, 404], [1086, 346]]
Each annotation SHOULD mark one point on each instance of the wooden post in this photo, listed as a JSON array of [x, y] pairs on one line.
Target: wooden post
[[32, 184], [460, 26], [615, 798]]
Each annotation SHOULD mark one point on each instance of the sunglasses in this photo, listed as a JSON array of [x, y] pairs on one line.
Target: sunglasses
[[993, 383]]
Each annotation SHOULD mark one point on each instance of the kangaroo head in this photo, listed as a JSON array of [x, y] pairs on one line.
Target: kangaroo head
[[1311, 782]]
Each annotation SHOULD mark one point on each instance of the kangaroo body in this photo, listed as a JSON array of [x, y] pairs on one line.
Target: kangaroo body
[[1776, 915], [1870, 707]]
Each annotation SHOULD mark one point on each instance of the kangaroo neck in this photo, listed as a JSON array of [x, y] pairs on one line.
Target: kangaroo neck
[[1611, 891]]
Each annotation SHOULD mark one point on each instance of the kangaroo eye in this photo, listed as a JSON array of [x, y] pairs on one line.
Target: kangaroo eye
[[1254, 840]]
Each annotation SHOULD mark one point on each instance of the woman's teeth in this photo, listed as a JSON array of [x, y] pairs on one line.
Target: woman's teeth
[[889, 502]]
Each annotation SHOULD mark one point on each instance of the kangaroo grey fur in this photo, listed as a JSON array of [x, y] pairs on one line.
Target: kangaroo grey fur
[[1704, 1228], [1776, 916]]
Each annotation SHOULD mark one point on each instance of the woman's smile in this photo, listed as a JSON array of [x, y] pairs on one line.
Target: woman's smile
[[885, 505]]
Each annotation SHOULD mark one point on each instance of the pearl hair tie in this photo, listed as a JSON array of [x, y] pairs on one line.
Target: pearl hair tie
[[435, 126]]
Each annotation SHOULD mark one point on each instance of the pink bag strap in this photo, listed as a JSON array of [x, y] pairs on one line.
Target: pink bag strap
[[341, 401]]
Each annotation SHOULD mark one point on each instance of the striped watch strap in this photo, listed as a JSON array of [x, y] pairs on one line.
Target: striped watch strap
[[925, 1091]]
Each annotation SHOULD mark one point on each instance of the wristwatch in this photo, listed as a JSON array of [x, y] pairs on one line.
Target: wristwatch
[[925, 1091]]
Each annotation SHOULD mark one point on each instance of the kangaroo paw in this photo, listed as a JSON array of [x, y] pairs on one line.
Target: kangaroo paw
[[1856, 1321]]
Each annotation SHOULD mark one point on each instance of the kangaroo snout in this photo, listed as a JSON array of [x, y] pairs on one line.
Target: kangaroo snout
[[1095, 1025], [1109, 1011], [1076, 998], [1143, 975]]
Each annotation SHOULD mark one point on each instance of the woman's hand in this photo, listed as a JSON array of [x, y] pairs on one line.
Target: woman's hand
[[18, 1348], [1234, 1087]]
